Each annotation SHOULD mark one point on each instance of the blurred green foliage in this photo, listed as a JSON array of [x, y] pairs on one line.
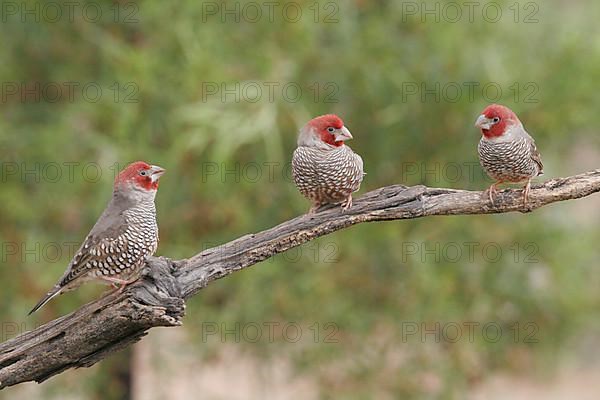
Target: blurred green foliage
[[365, 279]]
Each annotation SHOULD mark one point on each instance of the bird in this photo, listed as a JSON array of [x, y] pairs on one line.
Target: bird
[[124, 235], [507, 152], [324, 168]]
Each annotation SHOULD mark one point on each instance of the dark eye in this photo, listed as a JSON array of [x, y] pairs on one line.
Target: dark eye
[[496, 120], [143, 172], [331, 129]]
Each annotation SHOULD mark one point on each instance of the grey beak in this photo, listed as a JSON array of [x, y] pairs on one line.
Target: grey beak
[[343, 134], [483, 122], [156, 172]]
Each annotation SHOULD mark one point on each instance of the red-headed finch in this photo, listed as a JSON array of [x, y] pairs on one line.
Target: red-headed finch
[[124, 235], [506, 151], [324, 168]]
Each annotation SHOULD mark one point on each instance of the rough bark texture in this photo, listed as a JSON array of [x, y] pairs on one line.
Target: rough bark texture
[[113, 322]]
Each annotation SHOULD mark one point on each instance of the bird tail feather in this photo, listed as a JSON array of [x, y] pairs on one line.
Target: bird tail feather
[[53, 292]]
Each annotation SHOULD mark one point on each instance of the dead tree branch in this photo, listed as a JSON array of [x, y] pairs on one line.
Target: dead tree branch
[[113, 322]]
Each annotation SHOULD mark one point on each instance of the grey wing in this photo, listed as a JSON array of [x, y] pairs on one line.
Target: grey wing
[[358, 176], [536, 157], [533, 151], [94, 251], [359, 162]]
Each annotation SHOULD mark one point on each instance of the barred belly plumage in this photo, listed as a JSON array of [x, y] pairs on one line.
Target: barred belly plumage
[[327, 175], [509, 161]]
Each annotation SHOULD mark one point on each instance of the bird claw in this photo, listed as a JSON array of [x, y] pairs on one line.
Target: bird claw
[[119, 284], [491, 195], [526, 191], [313, 209], [347, 204], [492, 192]]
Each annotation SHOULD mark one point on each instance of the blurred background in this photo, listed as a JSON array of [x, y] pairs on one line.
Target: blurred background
[[477, 307]]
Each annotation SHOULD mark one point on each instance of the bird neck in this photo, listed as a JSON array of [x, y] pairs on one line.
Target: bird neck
[[132, 197]]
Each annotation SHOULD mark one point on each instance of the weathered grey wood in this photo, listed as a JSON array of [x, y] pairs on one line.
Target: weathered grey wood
[[113, 322], [97, 329]]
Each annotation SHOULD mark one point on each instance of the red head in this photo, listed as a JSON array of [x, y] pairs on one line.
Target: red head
[[495, 119], [140, 175], [328, 129]]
